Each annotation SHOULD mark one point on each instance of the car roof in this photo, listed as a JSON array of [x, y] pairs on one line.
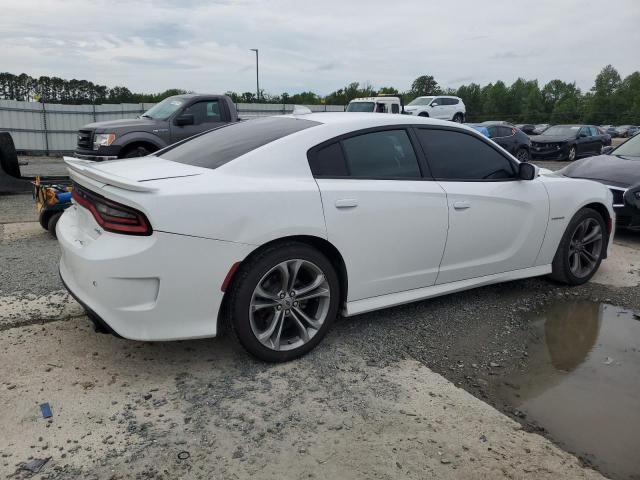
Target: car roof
[[366, 120]]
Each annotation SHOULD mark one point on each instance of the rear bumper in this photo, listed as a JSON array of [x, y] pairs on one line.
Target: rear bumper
[[161, 287]]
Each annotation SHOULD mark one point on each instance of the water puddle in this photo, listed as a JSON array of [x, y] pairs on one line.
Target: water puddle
[[583, 383]]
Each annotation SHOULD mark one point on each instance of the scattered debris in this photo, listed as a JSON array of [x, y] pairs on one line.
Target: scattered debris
[[45, 408], [35, 465], [608, 361]]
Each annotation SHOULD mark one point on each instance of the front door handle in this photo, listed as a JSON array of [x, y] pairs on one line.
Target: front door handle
[[346, 203], [461, 205]]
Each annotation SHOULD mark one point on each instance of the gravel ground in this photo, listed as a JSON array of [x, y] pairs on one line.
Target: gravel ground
[[475, 339]]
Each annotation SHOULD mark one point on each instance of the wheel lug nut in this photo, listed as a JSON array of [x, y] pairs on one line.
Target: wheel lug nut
[[286, 312], [292, 293], [279, 307], [282, 295], [295, 304]]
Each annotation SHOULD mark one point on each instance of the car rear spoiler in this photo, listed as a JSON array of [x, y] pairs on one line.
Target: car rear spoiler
[[87, 168]]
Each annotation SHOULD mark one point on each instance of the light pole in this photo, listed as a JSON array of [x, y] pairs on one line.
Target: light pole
[[257, 77]]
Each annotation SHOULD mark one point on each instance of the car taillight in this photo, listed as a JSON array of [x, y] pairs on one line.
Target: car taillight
[[112, 216]]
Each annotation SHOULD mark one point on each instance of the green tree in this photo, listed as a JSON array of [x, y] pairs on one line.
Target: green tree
[[424, 85]]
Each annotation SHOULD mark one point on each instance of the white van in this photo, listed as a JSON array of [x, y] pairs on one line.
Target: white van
[[380, 104]]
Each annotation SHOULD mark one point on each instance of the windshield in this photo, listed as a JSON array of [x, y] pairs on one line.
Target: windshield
[[360, 107], [630, 148], [164, 109], [421, 101], [561, 130]]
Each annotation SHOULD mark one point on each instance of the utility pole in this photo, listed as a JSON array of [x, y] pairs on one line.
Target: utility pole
[[257, 76]]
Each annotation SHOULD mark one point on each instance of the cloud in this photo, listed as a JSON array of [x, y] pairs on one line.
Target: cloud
[[319, 46]]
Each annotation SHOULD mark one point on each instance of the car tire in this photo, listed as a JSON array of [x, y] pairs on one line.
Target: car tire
[[458, 118], [423, 114], [571, 154], [572, 248], [271, 327], [522, 154], [53, 221], [136, 152], [43, 218]]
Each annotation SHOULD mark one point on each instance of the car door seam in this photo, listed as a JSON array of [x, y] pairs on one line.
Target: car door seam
[[446, 238]]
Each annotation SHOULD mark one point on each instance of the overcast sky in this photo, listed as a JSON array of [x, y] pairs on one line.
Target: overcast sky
[[203, 45]]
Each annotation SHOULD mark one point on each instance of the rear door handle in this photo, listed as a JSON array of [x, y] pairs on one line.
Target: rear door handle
[[346, 203], [461, 205]]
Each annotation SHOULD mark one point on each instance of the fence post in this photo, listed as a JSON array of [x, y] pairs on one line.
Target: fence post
[[93, 105], [44, 124]]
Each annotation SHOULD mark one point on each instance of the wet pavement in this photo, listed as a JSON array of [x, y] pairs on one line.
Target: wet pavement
[[582, 381]]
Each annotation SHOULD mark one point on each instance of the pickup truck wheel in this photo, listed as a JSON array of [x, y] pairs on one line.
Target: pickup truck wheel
[[136, 152], [458, 118]]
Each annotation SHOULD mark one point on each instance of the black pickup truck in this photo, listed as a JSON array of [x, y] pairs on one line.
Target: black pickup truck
[[173, 119]]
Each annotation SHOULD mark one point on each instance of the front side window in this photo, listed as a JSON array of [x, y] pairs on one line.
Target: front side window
[[594, 131], [460, 156], [395, 108], [204, 112], [385, 154], [561, 131]]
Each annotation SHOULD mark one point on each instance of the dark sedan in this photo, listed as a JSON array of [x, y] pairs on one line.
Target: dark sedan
[[619, 169], [527, 128], [567, 142], [512, 139]]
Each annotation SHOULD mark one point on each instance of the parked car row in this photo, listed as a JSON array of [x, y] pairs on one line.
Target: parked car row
[[623, 131], [442, 107]]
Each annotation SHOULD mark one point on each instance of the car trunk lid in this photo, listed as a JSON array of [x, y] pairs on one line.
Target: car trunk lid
[[131, 174]]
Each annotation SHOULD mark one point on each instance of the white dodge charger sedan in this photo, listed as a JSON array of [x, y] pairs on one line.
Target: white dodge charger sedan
[[278, 224]]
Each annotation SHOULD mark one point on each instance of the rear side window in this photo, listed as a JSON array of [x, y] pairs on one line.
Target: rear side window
[[329, 162], [453, 101], [385, 154], [217, 147], [460, 156], [395, 108]]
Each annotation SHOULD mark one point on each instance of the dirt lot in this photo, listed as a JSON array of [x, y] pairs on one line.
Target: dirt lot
[[407, 392]]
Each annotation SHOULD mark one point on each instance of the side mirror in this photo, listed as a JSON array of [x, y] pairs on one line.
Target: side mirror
[[582, 135], [184, 119], [434, 104], [526, 171], [607, 150]]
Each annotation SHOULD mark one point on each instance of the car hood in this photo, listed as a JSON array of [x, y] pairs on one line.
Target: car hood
[[615, 171], [550, 138], [124, 124]]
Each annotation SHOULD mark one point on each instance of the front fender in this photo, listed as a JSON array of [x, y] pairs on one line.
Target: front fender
[[566, 197], [132, 137]]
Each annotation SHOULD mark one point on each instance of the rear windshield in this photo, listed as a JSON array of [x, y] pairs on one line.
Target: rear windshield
[[220, 146]]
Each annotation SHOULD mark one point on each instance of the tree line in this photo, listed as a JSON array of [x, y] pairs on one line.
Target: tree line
[[71, 92], [611, 100]]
